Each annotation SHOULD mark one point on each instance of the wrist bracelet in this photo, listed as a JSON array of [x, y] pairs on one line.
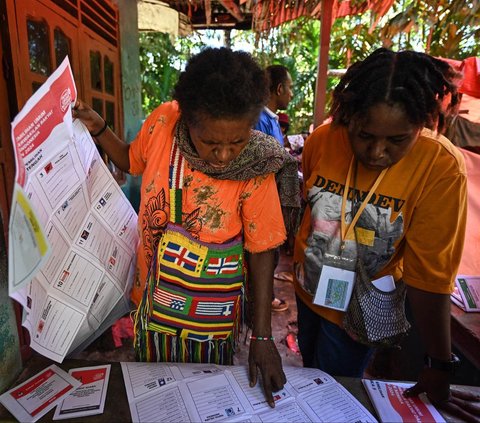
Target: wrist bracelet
[[262, 338], [101, 131]]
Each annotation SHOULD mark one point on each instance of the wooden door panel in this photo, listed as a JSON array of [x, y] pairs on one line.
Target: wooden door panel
[[40, 33], [7, 169], [101, 82], [44, 36]]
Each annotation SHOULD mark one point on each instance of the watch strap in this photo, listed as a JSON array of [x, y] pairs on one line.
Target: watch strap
[[443, 365]]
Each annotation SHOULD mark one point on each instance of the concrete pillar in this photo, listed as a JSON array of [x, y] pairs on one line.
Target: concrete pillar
[[131, 85]]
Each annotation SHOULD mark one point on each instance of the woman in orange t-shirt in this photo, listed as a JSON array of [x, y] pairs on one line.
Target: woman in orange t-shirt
[[385, 192], [208, 192]]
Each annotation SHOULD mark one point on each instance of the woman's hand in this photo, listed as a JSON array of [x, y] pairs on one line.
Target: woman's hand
[[89, 117], [116, 150], [435, 383], [264, 356], [432, 317]]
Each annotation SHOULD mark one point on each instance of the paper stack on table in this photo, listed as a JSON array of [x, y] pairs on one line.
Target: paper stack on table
[[79, 393], [393, 407], [466, 294], [35, 397], [89, 398]]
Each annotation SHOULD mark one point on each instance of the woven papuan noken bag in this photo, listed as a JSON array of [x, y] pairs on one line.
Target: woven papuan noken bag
[[374, 317]]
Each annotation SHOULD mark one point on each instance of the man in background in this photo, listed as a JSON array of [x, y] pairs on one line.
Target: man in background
[[281, 85], [281, 94]]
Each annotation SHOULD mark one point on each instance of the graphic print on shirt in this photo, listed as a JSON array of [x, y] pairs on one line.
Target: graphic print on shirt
[[155, 219], [381, 221], [192, 223]]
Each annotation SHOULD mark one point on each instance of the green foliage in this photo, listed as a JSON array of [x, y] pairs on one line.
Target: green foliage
[[294, 45], [446, 28], [160, 63], [442, 28], [158, 70]]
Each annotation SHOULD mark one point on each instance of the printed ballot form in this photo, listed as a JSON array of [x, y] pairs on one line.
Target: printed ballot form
[[89, 398], [73, 231], [466, 293], [211, 393], [392, 406], [39, 394]]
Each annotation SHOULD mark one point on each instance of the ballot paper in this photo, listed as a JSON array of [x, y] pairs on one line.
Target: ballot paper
[[27, 241], [392, 406], [38, 395], [467, 293], [456, 298], [76, 281], [211, 393], [89, 398], [255, 397], [385, 283]]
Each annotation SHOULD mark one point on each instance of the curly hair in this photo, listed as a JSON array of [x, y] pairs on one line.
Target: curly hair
[[276, 74], [221, 83], [424, 86]]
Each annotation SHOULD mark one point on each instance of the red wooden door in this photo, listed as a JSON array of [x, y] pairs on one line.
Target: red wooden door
[[40, 34]]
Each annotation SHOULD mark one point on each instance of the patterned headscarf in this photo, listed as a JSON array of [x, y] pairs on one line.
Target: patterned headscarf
[[262, 155]]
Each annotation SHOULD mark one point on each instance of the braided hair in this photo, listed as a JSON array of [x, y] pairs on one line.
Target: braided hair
[[425, 87]]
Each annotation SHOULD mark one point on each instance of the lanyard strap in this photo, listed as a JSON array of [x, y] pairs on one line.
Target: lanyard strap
[[175, 183], [347, 229]]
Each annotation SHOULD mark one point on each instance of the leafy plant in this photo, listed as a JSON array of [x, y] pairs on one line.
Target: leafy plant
[[445, 28]]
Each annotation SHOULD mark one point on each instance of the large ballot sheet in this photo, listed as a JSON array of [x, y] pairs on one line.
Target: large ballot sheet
[[73, 234], [170, 392]]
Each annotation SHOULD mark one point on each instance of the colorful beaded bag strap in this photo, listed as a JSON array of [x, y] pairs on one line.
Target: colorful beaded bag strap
[[175, 183]]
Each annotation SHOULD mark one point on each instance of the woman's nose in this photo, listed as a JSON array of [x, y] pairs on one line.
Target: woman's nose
[[377, 150], [223, 155]]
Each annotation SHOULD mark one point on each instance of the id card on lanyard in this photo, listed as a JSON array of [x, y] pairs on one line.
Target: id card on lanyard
[[337, 277], [335, 286]]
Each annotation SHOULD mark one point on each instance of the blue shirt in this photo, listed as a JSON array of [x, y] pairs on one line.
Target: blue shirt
[[268, 124]]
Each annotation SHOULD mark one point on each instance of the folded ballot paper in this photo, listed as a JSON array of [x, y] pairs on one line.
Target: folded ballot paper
[[79, 393], [393, 407], [38, 395], [466, 293], [73, 232], [207, 393]]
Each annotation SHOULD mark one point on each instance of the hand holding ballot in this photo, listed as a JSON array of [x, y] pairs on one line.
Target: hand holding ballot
[[67, 204], [116, 149]]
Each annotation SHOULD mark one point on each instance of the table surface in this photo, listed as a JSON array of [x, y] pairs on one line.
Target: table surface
[[466, 334], [116, 405]]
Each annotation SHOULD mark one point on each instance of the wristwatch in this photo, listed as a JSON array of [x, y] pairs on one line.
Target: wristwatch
[[446, 366]]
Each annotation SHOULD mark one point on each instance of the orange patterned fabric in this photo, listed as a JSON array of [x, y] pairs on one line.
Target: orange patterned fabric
[[214, 211]]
